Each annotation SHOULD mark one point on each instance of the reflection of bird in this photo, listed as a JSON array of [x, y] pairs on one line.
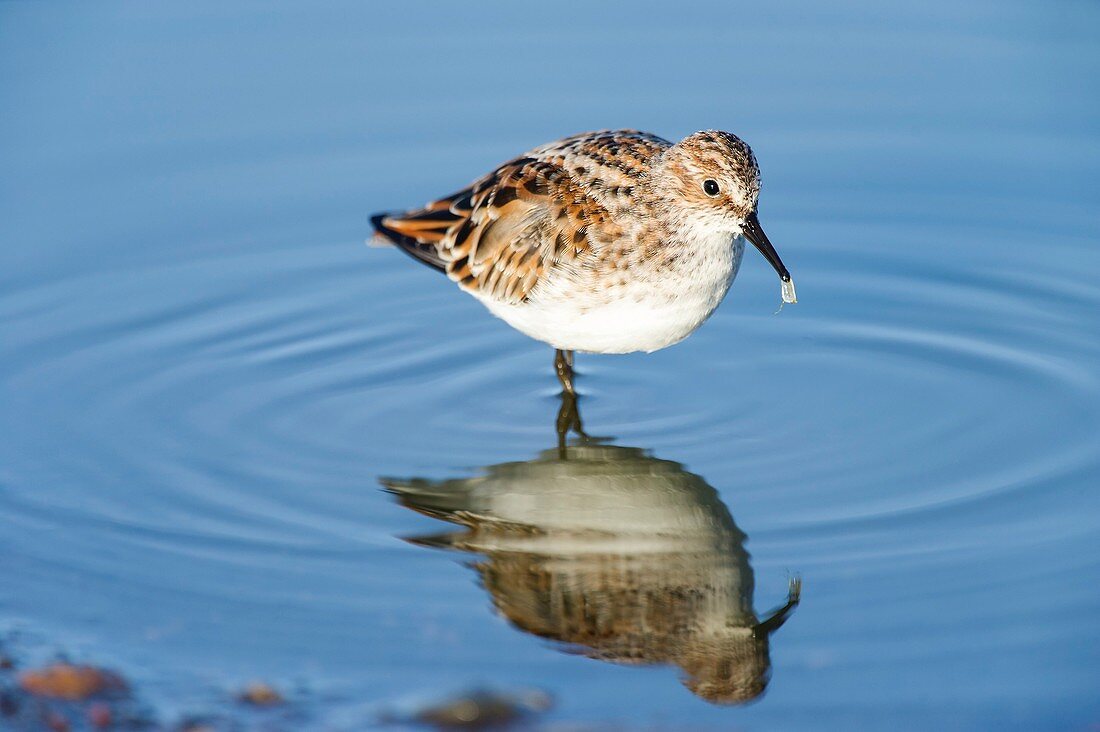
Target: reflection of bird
[[609, 242], [624, 557]]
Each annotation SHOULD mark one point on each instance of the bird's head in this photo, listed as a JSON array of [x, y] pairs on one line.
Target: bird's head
[[711, 182]]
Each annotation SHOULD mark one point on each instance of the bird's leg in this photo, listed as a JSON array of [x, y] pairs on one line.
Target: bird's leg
[[569, 418], [563, 364], [569, 415], [565, 421]]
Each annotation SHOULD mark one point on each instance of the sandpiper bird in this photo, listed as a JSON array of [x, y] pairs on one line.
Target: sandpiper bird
[[605, 242]]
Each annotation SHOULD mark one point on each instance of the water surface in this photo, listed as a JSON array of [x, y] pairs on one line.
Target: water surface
[[206, 374]]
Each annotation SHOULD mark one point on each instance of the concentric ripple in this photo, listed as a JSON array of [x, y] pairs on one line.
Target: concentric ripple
[[255, 397], [186, 428]]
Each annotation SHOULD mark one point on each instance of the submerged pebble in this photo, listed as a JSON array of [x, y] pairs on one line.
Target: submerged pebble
[[260, 694], [478, 710], [69, 681]]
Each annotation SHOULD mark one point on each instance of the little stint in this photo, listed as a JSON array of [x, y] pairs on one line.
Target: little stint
[[604, 242]]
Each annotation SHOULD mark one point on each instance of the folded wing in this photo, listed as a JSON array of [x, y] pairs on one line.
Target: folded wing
[[524, 223]]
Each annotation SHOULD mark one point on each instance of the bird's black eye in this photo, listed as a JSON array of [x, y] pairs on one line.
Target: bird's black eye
[[710, 187]]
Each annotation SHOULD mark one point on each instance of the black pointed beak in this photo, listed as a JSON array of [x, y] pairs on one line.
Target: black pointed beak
[[752, 231]]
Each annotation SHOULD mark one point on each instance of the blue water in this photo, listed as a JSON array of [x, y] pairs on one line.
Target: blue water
[[205, 372]]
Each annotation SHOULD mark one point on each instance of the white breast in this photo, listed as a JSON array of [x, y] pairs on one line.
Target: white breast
[[652, 310]]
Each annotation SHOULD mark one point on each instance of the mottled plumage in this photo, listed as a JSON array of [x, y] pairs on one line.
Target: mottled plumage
[[610, 242]]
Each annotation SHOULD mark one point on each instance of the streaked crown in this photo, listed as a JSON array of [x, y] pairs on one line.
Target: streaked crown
[[714, 175]]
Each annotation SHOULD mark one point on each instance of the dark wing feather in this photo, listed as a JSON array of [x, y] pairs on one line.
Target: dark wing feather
[[408, 244], [501, 236]]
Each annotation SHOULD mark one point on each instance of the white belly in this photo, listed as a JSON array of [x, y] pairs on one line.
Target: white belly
[[647, 314]]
